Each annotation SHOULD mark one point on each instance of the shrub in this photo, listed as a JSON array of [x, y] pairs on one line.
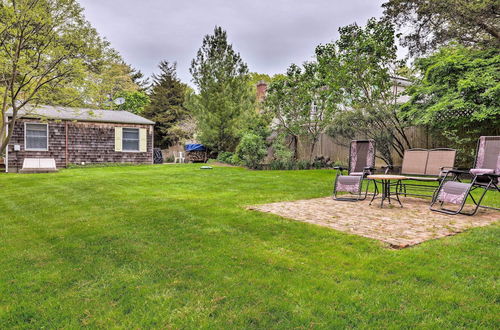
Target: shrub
[[282, 165], [225, 157], [251, 150], [319, 163], [281, 152]]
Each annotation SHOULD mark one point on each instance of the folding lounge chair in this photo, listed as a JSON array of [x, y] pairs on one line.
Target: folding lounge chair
[[361, 164], [485, 176]]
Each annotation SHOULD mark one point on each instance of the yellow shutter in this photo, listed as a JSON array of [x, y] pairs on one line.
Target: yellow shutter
[[118, 139], [143, 140]]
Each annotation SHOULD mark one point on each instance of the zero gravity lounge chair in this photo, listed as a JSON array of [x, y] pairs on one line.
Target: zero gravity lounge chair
[[361, 164], [485, 176]]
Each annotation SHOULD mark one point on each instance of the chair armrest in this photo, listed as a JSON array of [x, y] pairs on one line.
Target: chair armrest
[[369, 169], [458, 171], [454, 172], [341, 170], [445, 169], [387, 168]]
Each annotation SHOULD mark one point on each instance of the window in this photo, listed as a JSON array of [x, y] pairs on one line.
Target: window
[[130, 140], [36, 137]]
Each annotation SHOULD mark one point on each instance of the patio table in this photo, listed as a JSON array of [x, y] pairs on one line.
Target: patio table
[[385, 181]]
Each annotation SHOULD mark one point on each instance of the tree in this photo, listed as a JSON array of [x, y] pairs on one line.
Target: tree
[[114, 79], [303, 103], [433, 23], [224, 94], [251, 150], [256, 77], [324, 98], [363, 62], [99, 85], [135, 101], [289, 103], [43, 43], [167, 105], [458, 95]]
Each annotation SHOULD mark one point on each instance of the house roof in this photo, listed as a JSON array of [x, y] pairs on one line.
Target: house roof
[[81, 114]]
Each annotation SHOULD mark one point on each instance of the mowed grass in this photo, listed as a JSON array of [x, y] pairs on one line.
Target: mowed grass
[[174, 247]]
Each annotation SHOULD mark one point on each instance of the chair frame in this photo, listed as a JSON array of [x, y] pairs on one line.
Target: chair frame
[[492, 183], [181, 157], [366, 171], [472, 186], [424, 178]]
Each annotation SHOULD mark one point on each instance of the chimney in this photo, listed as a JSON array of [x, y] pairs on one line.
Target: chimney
[[261, 90]]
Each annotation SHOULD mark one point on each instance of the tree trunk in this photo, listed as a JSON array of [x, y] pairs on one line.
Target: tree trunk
[[295, 146], [311, 151]]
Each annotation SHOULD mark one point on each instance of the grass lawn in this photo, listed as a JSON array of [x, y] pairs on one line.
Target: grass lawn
[[173, 246]]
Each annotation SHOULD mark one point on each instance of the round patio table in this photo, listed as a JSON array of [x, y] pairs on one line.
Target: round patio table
[[385, 181]]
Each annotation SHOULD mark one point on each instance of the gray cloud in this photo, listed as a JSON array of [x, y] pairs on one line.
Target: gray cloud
[[270, 35]]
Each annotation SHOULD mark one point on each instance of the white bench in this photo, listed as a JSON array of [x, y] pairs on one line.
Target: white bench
[[39, 165]]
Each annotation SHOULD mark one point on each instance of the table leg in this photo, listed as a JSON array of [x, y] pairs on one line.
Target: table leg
[[398, 183], [375, 192], [386, 192], [389, 191]]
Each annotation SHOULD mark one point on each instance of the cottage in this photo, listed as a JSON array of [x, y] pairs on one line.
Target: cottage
[[76, 136]]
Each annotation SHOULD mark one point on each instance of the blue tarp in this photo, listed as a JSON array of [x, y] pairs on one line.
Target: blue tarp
[[195, 147]]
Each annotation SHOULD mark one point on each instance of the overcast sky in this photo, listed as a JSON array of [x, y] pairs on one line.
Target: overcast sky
[[269, 34]]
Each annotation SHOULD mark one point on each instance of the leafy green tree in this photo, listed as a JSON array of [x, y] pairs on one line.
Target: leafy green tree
[[167, 105], [433, 23], [256, 77], [224, 95], [257, 121], [324, 100], [251, 150], [114, 79], [135, 101], [290, 104], [43, 43], [362, 63], [458, 95], [303, 103], [98, 85]]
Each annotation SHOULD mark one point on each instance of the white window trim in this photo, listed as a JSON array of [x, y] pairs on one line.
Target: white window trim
[[139, 140], [36, 149]]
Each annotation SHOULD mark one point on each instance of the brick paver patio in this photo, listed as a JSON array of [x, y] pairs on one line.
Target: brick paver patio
[[399, 227]]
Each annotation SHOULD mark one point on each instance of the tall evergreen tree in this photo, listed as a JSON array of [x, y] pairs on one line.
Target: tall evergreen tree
[[166, 107], [224, 94]]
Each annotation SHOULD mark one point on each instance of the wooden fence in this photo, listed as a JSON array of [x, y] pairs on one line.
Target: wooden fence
[[338, 149]]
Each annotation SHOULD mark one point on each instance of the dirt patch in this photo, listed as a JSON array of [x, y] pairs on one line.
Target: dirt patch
[[399, 227]]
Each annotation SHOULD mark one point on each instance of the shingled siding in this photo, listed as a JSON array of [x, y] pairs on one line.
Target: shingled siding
[[88, 142]]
